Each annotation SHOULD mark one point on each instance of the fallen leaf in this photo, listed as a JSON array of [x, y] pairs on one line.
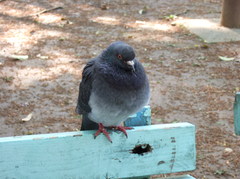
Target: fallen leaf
[[143, 11], [19, 57], [170, 17], [196, 65], [8, 79], [29, 116], [219, 172], [226, 58], [42, 57], [228, 150], [104, 7], [179, 60], [201, 58], [204, 46], [61, 39]]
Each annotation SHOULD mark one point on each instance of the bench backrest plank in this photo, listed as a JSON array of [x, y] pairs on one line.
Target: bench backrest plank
[[148, 150]]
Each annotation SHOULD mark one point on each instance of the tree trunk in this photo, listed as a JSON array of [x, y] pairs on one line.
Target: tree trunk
[[231, 13]]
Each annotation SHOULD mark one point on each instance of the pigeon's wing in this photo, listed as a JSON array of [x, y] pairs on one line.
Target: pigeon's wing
[[85, 88], [87, 124]]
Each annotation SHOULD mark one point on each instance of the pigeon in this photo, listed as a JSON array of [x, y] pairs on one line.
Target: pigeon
[[114, 86]]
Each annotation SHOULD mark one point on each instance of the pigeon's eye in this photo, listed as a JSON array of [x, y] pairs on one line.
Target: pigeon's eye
[[119, 57]]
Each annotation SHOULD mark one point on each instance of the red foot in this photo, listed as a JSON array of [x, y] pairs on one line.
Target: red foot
[[100, 130], [122, 129]]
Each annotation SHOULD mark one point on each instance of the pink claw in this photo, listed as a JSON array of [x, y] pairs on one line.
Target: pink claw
[[100, 130], [122, 129]]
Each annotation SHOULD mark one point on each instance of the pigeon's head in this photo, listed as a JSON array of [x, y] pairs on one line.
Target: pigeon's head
[[122, 55]]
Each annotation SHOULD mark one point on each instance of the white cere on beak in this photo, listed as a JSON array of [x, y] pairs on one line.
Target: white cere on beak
[[131, 63]]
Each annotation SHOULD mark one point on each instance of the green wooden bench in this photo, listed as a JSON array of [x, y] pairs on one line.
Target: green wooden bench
[[237, 113], [148, 150]]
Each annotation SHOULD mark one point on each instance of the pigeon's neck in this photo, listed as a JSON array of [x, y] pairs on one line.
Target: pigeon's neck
[[124, 80]]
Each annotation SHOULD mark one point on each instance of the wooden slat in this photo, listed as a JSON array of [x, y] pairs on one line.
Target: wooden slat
[[142, 118], [78, 155], [237, 113]]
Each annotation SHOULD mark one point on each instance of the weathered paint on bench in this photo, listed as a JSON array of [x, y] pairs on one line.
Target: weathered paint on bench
[[178, 177], [237, 113], [148, 150]]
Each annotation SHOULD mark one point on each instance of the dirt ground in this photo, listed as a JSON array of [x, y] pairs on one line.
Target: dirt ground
[[189, 83]]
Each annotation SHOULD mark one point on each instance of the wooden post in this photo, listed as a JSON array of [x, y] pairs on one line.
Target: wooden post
[[237, 113], [231, 13]]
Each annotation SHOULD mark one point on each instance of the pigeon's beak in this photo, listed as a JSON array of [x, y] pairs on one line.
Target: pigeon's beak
[[131, 63]]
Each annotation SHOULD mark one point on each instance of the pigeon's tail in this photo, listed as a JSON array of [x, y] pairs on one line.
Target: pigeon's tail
[[87, 124]]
